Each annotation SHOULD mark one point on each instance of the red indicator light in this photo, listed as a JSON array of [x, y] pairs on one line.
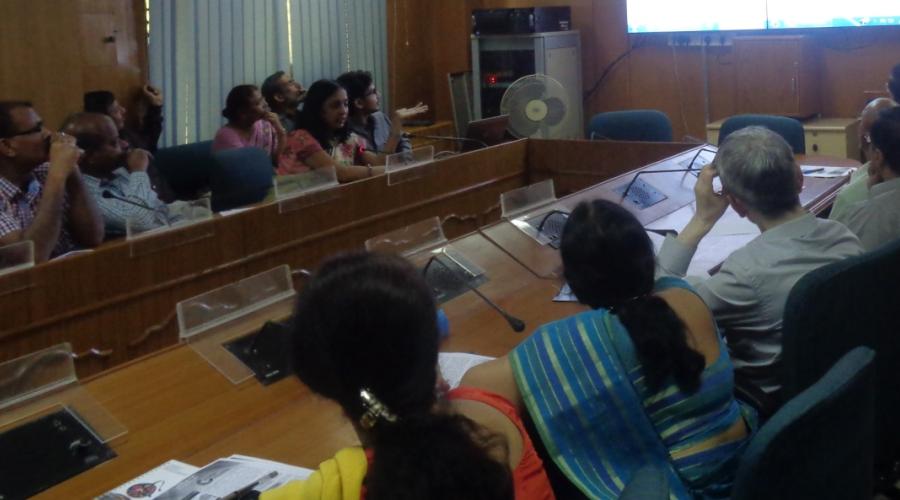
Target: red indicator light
[[492, 79]]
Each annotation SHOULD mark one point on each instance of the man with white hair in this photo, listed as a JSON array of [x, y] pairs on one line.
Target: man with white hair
[[876, 219], [760, 181], [857, 189]]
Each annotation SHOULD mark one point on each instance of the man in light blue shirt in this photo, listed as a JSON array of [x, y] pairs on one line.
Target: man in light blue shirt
[[124, 194], [762, 182]]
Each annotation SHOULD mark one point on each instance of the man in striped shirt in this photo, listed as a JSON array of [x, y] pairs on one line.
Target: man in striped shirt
[[42, 193], [116, 179]]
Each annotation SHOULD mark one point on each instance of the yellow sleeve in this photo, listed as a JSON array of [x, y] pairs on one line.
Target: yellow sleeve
[[338, 478]]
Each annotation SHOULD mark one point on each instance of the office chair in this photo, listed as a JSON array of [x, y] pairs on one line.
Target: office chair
[[239, 177], [647, 125], [788, 128], [836, 308], [186, 168], [820, 443]]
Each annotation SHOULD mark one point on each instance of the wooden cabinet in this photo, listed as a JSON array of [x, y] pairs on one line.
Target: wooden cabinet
[[777, 75], [838, 137]]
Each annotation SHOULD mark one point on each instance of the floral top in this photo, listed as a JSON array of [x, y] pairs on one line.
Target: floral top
[[300, 145]]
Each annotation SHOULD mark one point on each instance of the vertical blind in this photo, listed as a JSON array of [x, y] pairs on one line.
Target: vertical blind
[[200, 49]]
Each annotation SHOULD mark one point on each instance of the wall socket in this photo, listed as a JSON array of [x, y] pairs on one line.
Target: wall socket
[[711, 39]]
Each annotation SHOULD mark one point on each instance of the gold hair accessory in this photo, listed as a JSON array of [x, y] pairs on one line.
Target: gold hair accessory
[[375, 410]]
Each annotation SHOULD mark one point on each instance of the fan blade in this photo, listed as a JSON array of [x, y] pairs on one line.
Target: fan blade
[[556, 111]]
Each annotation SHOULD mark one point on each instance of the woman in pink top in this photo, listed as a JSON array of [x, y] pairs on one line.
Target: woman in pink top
[[250, 123]]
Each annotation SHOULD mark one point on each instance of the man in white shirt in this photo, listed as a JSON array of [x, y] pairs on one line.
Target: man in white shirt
[[876, 220], [116, 179], [760, 181], [858, 188]]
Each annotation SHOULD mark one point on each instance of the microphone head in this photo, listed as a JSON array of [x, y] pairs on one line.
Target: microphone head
[[107, 194], [515, 323]]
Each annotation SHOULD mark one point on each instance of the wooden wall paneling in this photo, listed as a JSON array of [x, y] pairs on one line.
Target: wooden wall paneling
[[53, 52], [410, 52]]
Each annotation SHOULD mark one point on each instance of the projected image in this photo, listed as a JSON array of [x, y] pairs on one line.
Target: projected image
[[647, 16], [832, 13]]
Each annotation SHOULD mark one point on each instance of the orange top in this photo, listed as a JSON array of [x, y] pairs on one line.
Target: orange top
[[529, 477]]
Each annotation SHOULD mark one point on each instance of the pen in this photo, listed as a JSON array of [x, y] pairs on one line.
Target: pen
[[813, 170]]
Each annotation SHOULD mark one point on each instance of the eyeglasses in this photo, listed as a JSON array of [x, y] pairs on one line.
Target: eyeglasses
[[35, 130]]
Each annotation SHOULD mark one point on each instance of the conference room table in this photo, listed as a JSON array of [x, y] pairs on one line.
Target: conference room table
[[175, 405], [117, 302]]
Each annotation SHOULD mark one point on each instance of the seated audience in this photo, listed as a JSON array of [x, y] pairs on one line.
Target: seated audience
[[147, 135], [643, 378], [876, 220], [762, 182], [893, 83], [250, 123], [858, 188], [113, 176], [366, 119], [284, 96], [380, 364], [42, 194], [324, 140]]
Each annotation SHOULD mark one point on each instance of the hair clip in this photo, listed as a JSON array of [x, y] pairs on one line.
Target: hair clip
[[375, 410]]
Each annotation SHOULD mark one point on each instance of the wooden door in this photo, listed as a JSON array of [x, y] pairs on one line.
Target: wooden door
[[776, 75]]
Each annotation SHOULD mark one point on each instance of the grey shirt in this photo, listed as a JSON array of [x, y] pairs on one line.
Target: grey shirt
[[876, 221], [134, 186], [748, 294], [377, 132]]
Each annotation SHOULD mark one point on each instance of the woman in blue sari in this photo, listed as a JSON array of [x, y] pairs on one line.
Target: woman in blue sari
[[643, 378]]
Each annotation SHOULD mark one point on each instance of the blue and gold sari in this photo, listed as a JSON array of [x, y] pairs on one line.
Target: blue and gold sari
[[585, 391]]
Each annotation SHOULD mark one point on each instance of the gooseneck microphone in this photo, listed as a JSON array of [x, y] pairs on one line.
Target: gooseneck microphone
[[445, 138], [515, 323], [156, 211]]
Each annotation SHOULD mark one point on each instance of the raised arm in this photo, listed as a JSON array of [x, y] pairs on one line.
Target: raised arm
[[44, 230]]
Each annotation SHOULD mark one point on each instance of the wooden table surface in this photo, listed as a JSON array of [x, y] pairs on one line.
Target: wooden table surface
[[176, 406]]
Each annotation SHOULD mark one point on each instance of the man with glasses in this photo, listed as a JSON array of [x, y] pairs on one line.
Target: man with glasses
[[284, 96], [876, 219], [42, 194], [858, 190], [366, 119]]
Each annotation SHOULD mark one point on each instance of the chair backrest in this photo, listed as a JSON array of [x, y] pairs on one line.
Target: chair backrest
[[648, 125], [647, 483], [788, 128], [240, 177], [186, 168], [820, 443], [838, 307]]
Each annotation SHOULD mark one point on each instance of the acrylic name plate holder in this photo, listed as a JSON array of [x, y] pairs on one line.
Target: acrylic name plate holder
[[183, 223], [298, 191], [408, 165], [15, 258], [51, 428], [446, 269], [208, 323], [534, 210]]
